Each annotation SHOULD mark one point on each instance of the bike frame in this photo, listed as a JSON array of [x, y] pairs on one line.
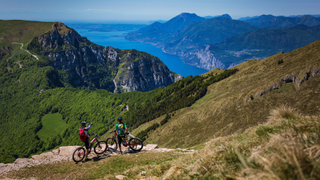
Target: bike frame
[[125, 140], [91, 144]]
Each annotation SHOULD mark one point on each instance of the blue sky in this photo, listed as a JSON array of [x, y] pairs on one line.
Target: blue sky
[[147, 10]]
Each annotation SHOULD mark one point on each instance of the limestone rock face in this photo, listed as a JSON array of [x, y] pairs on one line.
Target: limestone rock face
[[140, 71], [201, 58], [87, 65]]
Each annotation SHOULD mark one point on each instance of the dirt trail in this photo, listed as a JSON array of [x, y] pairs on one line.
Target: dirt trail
[[64, 153], [26, 50]]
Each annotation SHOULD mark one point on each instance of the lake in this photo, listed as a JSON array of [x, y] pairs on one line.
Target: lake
[[174, 63]]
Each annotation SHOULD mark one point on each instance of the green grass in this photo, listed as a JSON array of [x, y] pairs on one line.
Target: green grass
[[52, 126], [153, 163], [22, 31]]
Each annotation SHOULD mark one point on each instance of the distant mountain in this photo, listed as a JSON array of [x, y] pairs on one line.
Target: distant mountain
[[280, 22], [253, 45], [236, 40], [158, 33], [223, 15], [180, 21], [314, 15], [193, 36], [197, 34], [247, 18], [160, 21], [105, 27]]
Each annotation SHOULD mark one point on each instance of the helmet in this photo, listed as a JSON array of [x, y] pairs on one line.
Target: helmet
[[83, 122], [120, 119]]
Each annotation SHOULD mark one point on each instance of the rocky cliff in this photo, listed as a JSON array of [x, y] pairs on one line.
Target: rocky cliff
[[143, 72], [201, 58], [84, 64]]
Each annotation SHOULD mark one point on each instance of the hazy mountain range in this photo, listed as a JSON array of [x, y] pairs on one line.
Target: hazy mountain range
[[192, 35]]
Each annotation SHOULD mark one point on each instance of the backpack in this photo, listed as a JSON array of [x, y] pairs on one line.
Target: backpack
[[120, 129], [82, 135]]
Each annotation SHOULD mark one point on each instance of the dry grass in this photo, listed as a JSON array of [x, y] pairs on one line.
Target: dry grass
[[286, 147], [226, 108]]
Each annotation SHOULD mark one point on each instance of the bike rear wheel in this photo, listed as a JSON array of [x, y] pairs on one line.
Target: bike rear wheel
[[100, 147], [112, 144], [78, 154], [135, 144]]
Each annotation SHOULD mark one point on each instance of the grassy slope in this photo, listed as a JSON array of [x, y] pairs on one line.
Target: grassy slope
[[224, 109], [52, 126], [286, 147], [22, 31]]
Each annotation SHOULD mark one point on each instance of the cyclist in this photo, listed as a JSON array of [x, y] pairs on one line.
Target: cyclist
[[87, 137], [121, 129]]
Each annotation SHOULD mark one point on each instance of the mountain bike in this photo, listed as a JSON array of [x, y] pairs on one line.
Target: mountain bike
[[134, 143], [99, 148]]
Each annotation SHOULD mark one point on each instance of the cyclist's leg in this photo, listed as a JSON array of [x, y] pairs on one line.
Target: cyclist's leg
[[87, 147], [119, 141]]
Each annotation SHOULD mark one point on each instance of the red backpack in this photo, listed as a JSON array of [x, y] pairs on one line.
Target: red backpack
[[82, 135]]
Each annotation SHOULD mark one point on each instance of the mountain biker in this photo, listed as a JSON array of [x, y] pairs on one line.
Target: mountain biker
[[87, 137], [121, 129]]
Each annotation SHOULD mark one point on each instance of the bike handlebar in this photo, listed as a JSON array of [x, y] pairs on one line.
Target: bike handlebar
[[95, 134]]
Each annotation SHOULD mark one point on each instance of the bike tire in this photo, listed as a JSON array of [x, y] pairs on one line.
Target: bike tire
[[78, 154], [135, 144], [112, 144], [100, 147]]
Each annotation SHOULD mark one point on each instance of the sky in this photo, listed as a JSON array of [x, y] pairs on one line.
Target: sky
[[147, 10]]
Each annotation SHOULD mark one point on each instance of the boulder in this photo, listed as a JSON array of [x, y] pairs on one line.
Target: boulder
[[120, 176], [2, 165], [56, 151], [22, 161], [36, 157], [42, 156], [67, 150]]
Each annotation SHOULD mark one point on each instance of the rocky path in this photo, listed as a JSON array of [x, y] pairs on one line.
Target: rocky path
[[64, 153]]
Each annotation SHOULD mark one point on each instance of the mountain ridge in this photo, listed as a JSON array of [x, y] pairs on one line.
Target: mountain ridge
[[279, 22]]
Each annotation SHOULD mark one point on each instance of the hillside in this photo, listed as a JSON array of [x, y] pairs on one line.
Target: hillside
[[245, 99], [84, 64], [260, 123]]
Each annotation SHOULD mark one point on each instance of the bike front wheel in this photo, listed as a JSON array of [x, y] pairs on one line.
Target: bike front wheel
[[100, 147], [135, 144], [78, 154], [112, 144]]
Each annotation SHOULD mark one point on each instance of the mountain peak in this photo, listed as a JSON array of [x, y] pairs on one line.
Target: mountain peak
[[180, 21], [226, 16]]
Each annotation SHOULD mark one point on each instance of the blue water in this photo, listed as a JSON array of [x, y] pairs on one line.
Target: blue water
[[174, 63]]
